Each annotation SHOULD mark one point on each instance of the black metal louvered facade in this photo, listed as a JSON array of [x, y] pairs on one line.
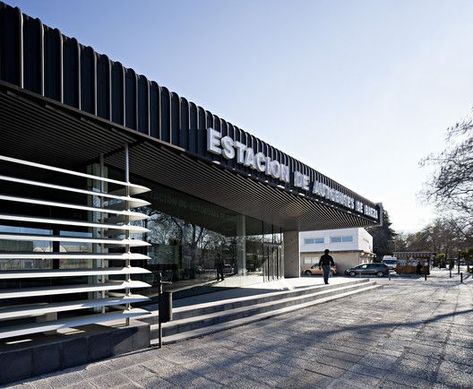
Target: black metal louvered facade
[[39, 59]]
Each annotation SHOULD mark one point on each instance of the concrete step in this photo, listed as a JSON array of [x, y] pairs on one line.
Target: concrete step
[[196, 326], [227, 304], [197, 321]]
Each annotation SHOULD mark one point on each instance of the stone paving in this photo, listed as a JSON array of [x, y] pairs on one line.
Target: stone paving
[[411, 333]]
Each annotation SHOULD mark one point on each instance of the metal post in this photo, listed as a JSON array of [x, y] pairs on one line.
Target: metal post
[[102, 220], [389, 275], [425, 276], [461, 277], [127, 234], [450, 273], [160, 328]]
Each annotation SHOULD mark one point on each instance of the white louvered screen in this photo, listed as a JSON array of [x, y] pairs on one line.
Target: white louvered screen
[[104, 227]]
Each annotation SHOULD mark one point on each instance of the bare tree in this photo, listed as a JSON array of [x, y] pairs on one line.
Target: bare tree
[[451, 187], [443, 235]]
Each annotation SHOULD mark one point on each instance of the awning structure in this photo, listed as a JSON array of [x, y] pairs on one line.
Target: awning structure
[[45, 131], [65, 104]]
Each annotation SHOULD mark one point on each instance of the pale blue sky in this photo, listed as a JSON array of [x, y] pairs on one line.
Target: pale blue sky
[[359, 90]]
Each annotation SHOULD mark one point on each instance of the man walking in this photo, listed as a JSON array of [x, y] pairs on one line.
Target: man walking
[[219, 265], [326, 261]]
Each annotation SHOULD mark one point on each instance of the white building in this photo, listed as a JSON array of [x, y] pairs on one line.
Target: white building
[[348, 247]]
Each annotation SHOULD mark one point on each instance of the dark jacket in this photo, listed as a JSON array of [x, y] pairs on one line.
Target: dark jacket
[[326, 260]]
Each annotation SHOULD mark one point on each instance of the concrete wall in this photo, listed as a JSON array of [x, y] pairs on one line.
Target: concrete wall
[[45, 354], [292, 261]]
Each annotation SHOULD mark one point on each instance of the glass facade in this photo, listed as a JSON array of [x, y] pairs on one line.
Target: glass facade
[[194, 242]]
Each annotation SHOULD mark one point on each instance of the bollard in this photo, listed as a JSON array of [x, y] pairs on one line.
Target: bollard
[[450, 273], [461, 277], [389, 276], [425, 276], [164, 307]]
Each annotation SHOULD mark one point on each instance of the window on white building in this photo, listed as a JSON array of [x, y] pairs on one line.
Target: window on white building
[[310, 260], [339, 239], [313, 240]]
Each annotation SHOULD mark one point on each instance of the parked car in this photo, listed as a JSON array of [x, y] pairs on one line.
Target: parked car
[[315, 271], [228, 269], [390, 262], [377, 269]]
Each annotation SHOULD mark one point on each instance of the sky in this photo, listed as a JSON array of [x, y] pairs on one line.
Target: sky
[[359, 90]]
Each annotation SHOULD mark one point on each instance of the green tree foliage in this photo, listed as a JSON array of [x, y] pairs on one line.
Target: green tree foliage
[[383, 237]]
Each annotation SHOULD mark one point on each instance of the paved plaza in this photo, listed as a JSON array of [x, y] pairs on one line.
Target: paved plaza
[[411, 333]]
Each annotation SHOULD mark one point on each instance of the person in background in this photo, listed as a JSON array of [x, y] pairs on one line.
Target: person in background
[[419, 268], [219, 265], [326, 262]]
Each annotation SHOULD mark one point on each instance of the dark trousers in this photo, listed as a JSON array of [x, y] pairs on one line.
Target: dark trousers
[[326, 269], [220, 275]]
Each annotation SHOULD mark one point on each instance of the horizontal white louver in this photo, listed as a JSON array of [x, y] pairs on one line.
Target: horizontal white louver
[[63, 222], [112, 230], [116, 257], [133, 203], [51, 238], [43, 309], [132, 216], [56, 290], [13, 275]]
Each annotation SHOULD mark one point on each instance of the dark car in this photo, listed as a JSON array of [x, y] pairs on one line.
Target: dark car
[[377, 269]]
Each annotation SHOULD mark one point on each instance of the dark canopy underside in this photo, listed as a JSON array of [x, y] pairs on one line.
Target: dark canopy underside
[[41, 130]]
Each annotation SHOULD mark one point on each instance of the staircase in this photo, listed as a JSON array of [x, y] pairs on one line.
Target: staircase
[[201, 319]]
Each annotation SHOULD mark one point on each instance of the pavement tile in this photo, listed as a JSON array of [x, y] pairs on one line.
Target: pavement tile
[[424, 350], [162, 368], [416, 369], [341, 383], [308, 380], [456, 378], [336, 362], [394, 385], [279, 368], [129, 386], [369, 371], [155, 382], [261, 375], [382, 361], [241, 382], [409, 380], [220, 375], [355, 343], [361, 380], [111, 380], [42, 385], [448, 366], [326, 370], [87, 384], [189, 379]]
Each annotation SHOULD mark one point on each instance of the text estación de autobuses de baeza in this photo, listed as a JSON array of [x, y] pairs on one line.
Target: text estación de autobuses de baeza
[[246, 156]]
